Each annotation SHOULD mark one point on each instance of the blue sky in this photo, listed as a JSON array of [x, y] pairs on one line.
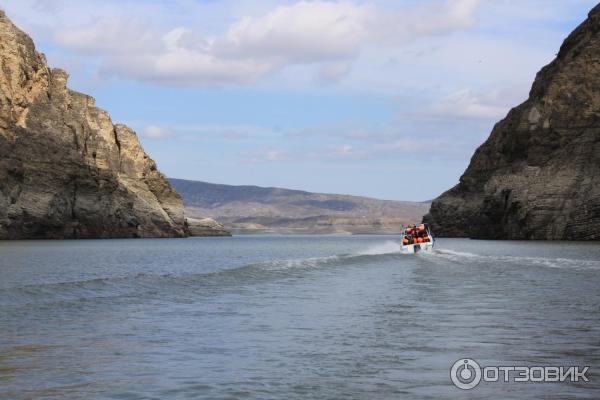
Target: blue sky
[[386, 99]]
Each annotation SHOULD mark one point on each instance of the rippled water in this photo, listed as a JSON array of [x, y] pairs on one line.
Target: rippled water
[[306, 317]]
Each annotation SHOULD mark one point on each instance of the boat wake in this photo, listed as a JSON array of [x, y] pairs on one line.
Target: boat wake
[[562, 263], [388, 247], [144, 285], [98, 289]]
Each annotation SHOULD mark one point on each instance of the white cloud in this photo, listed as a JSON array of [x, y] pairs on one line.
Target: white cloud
[[349, 130], [419, 147], [332, 72], [467, 104], [216, 131], [196, 132], [343, 151], [47, 6], [184, 67], [265, 155], [302, 32], [363, 143], [114, 35], [156, 132], [428, 19], [327, 34]]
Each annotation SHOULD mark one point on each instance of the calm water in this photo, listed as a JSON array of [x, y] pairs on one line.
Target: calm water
[[299, 317]]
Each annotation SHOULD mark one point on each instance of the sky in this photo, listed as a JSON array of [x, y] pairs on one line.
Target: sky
[[386, 99]]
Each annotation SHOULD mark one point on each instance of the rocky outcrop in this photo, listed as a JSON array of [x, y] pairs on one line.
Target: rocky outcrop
[[538, 174], [65, 170], [206, 227]]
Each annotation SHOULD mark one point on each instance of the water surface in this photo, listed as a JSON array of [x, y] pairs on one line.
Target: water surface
[[291, 317]]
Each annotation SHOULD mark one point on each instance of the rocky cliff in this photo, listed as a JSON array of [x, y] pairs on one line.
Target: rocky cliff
[[206, 227], [538, 174], [65, 170]]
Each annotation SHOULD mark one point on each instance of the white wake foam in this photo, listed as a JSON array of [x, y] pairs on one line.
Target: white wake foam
[[536, 261], [387, 247], [312, 262]]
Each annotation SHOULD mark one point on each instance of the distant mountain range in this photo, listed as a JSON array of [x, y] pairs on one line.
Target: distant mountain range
[[254, 209]]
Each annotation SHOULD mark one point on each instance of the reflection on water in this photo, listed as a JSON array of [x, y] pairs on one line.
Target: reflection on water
[[318, 317]]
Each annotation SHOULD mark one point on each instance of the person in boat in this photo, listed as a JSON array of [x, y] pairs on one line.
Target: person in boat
[[415, 234], [423, 233], [408, 236]]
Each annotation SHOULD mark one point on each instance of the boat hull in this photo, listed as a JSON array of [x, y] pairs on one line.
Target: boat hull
[[417, 247]]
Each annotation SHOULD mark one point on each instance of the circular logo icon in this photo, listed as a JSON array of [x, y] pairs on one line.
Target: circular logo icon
[[465, 373]]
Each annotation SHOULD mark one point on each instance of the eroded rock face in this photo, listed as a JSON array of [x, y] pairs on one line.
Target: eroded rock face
[[538, 174], [65, 170], [206, 227]]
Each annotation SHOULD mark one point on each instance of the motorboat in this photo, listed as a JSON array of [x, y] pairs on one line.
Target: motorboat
[[417, 238]]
